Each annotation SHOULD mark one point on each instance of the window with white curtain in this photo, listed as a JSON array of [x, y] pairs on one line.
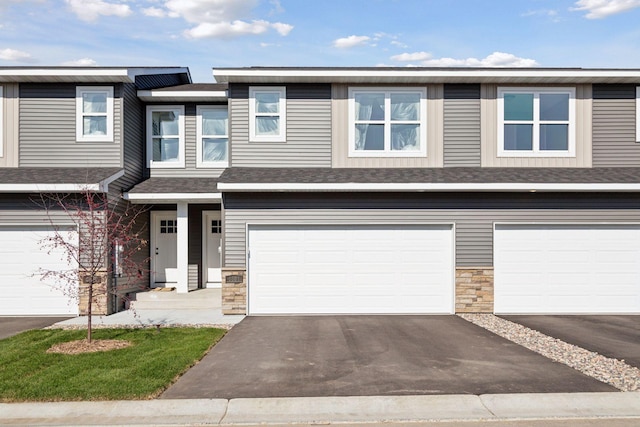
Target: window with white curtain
[[165, 136], [94, 113], [267, 113], [213, 136], [387, 122]]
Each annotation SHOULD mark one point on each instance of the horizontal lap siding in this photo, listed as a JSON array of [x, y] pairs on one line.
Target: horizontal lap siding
[[48, 129], [614, 126], [308, 138], [473, 215], [461, 125]]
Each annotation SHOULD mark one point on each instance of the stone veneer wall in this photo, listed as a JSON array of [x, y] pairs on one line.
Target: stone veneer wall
[[474, 290], [234, 294]]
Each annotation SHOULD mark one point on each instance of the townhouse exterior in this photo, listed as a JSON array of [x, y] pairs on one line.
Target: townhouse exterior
[[358, 190]]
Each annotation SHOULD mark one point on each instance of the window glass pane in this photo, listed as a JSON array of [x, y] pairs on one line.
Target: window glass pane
[[518, 137], [214, 149], [405, 137], [554, 137], [369, 106], [369, 137], [94, 125], [518, 106], [214, 122], [267, 102], [164, 123], [94, 102], [165, 149], [267, 126], [554, 106], [405, 106]]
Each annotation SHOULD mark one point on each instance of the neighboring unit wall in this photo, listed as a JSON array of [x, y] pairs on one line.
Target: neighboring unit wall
[[614, 125], [462, 125], [340, 129], [48, 129], [308, 130], [9, 125], [489, 134]]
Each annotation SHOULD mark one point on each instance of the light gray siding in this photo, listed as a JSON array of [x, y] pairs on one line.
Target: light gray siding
[[614, 126], [473, 214], [308, 130], [461, 125], [48, 129]]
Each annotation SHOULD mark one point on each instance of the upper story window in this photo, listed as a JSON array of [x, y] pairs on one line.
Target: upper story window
[[1, 123], [387, 122], [165, 136], [638, 114], [536, 122], [267, 113], [213, 136], [94, 113]]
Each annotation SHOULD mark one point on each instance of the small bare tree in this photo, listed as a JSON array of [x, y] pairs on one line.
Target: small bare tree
[[110, 244]]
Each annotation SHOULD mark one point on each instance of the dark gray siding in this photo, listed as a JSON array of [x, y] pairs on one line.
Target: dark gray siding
[[614, 126], [48, 129], [308, 142], [473, 214], [132, 141], [153, 81], [461, 125]]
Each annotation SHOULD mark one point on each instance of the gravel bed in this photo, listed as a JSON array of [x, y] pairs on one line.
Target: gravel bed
[[611, 371]]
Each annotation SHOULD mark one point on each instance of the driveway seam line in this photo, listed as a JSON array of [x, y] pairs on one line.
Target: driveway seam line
[[226, 411]]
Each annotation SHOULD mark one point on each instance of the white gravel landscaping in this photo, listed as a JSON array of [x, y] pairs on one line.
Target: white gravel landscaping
[[611, 371]]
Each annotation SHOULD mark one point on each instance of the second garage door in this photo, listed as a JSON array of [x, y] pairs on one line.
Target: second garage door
[[345, 269], [567, 268]]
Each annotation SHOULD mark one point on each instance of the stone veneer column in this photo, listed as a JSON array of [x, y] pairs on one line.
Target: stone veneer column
[[100, 304], [234, 291], [474, 290]]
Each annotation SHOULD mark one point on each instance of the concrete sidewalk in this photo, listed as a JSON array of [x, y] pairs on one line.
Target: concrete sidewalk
[[324, 410]]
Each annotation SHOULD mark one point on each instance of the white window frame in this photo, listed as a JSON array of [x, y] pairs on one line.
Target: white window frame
[[387, 152], [1, 121], [282, 114], [80, 114], [177, 109], [637, 113], [200, 163], [536, 152]]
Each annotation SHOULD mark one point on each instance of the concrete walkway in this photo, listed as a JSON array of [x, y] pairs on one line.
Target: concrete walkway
[[325, 410]]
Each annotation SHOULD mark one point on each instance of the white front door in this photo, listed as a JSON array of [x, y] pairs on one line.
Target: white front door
[[211, 248], [164, 248]]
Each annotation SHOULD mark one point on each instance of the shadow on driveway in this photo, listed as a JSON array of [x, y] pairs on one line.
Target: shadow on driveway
[[371, 356], [617, 337], [14, 325]]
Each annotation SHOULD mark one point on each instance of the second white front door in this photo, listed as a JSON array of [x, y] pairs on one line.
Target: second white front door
[[165, 248], [211, 248]]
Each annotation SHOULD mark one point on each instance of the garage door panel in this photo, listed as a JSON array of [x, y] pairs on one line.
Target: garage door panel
[[353, 269], [571, 268]]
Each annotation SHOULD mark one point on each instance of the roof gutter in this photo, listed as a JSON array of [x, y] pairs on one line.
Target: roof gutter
[[165, 198]]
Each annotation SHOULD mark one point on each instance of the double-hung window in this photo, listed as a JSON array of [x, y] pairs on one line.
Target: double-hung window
[[387, 122], [94, 113], [1, 122], [165, 136], [536, 122], [638, 114], [213, 136], [267, 113]]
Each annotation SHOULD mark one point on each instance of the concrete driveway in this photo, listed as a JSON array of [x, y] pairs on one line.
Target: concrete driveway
[[612, 336], [14, 325], [371, 355]]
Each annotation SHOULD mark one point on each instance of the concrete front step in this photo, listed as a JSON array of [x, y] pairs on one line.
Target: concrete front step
[[172, 300]]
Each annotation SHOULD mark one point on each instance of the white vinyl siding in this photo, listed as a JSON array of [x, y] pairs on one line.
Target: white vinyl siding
[[94, 113], [165, 136], [212, 136], [267, 114], [350, 269]]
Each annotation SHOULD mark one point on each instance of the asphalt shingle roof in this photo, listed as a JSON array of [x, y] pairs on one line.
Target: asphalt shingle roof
[[55, 175], [158, 185]]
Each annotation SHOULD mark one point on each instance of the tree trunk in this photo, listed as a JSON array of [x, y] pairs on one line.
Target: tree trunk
[[89, 308]]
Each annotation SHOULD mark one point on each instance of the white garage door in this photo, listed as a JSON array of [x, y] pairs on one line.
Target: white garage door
[[567, 269], [22, 291], [346, 269]]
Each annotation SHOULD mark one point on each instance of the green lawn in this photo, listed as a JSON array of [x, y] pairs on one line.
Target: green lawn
[[154, 360]]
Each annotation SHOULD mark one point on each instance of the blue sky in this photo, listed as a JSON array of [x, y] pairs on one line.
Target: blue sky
[[202, 34]]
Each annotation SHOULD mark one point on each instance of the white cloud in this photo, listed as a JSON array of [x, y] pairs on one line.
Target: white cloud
[[218, 18], [15, 55], [83, 62], [399, 44], [597, 9], [496, 59], [351, 41], [90, 10]]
